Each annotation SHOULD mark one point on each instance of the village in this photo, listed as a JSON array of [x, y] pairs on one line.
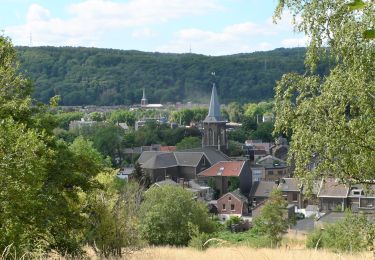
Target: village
[[240, 186]]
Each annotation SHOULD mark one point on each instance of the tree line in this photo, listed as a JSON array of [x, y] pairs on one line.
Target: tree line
[[92, 76]]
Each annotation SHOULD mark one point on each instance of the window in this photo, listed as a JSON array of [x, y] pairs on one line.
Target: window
[[270, 172], [223, 206], [280, 172], [231, 206], [229, 198]]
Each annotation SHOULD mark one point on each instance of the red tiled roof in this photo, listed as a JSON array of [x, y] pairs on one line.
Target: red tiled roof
[[168, 148], [224, 169]]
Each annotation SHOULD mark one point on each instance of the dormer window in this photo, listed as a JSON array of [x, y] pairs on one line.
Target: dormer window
[[357, 192]]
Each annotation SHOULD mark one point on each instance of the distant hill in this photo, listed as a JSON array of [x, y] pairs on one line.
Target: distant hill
[[95, 76]]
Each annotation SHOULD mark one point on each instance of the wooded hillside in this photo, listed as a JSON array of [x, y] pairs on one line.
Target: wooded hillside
[[85, 76]]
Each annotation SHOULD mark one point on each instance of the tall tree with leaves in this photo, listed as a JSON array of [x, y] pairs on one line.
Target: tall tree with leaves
[[272, 221], [40, 176], [332, 119]]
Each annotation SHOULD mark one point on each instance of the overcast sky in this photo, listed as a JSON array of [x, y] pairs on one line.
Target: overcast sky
[[211, 27]]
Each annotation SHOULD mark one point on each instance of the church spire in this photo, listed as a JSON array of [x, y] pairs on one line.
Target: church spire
[[214, 114]]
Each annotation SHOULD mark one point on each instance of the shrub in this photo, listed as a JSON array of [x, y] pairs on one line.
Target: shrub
[[352, 234]]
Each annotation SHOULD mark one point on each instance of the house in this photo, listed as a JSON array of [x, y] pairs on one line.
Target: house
[[333, 195], [274, 168], [260, 191], [225, 172], [362, 199], [179, 164], [232, 204], [292, 191]]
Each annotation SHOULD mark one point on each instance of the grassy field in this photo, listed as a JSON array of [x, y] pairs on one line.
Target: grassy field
[[235, 253]]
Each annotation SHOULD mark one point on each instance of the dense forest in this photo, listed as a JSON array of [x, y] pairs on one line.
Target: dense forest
[[83, 76]]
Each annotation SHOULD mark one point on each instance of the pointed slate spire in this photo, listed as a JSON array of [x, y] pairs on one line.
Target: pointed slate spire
[[214, 114]]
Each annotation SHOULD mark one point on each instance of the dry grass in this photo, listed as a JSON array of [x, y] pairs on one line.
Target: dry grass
[[235, 253]]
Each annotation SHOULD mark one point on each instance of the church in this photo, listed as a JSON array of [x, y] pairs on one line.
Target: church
[[188, 163]]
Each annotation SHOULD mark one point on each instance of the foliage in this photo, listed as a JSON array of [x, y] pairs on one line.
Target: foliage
[[168, 212], [272, 222], [352, 234], [331, 118], [63, 119], [199, 241], [234, 148], [113, 215], [97, 116], [41, 176], [189, 142], [235, 112], [232, 220], [83, 76], [234, 183], [188, 116], [140, 176], [263, 132], [121, 116]]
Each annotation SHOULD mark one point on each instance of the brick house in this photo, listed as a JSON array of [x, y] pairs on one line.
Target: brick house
[[232, 204], [292, 191], [274, 168], [222, 173]]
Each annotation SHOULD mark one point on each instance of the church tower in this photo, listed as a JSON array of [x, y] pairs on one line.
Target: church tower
[[214, 134], [144, 101]]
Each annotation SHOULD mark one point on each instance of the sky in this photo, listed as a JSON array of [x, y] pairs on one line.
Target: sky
[[209, 27]]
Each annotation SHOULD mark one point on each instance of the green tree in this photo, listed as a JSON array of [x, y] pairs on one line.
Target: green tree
[[140, 176], [113, 215], [331, 118], [235, 112], [97, 116], [41, 176], [352, 234], [121, 116], [168, 212], [189, 142], [272, 221]]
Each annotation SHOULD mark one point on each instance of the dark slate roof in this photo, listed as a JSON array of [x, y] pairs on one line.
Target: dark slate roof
[[262, 188], [213, 155], [147, 155], [214, 114], [332, 189], [161, 160], [289, 184], [188, 158]]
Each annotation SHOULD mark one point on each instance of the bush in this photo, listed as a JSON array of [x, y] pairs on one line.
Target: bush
[[352, 234], [168, 213]]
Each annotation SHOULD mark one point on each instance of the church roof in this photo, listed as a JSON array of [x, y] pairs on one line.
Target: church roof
[[214, 114]]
